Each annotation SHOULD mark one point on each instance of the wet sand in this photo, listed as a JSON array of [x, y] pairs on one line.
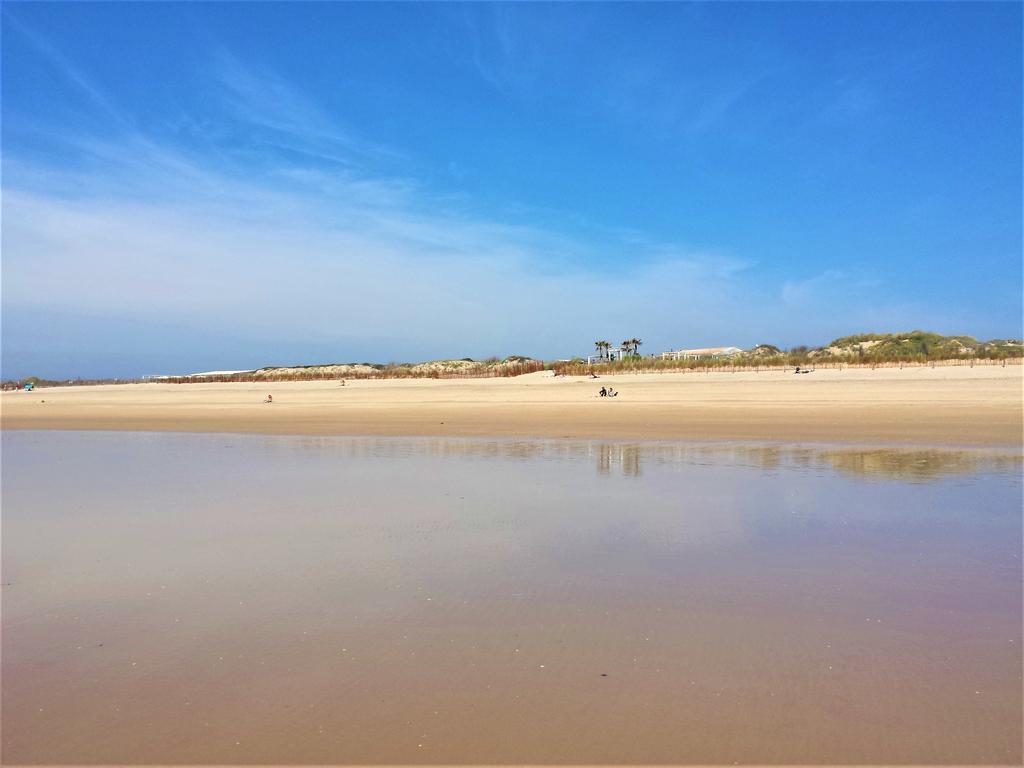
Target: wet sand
[[944, 405], [227, 599]]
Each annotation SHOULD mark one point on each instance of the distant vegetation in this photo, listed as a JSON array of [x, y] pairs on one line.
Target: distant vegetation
[[35, 381], [764, 350], [864, 348], [918, 345], [514, 365], [628, 347]]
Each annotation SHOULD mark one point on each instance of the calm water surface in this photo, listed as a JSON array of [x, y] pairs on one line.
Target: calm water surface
[[238, 599]]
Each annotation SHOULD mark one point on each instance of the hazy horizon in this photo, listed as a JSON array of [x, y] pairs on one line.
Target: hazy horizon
[[197, 187]]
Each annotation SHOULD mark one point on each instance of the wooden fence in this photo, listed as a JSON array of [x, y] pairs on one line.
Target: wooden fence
[[724, 366]]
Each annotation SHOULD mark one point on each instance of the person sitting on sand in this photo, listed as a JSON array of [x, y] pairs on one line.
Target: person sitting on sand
[[602, 392], [612, 392], [270, 399]]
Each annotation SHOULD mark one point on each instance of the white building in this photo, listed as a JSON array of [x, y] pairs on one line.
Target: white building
[[611, 354], [706, 353]]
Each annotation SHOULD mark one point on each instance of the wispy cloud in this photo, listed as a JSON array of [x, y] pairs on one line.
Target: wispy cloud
[[71, 73], [342, 254], [259, 262], [263, 101], [501, 54]]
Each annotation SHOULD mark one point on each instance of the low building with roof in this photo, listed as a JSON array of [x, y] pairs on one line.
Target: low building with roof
[[704, 353]]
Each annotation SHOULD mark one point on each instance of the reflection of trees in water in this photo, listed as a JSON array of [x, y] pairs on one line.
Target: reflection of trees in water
[[884, 463], [631, 460], [905, 464], [893, 463], [914, 464], [626, 456]]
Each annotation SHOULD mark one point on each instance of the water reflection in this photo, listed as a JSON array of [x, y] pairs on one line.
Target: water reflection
[[917, 465], [625, 457], [225, 599], [628, 459]]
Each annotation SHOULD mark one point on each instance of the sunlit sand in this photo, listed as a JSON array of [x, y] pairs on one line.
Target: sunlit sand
[[959, 405]]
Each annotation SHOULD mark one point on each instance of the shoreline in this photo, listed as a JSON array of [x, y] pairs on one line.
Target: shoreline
[[924, 406]]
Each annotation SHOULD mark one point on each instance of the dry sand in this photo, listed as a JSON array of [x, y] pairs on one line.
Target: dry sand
[[948, 405]]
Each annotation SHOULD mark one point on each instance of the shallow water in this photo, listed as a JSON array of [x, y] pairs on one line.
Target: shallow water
[[238, 599]]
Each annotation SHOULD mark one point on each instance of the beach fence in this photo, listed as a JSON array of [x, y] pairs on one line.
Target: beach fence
[[650, 365], [482, 371]]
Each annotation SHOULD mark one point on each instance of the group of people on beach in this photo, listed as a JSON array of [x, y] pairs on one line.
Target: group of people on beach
[[609, 392]]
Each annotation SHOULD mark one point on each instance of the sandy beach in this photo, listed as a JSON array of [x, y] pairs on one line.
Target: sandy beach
[[942, 405]]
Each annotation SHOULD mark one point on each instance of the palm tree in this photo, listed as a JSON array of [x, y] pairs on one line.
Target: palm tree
[[631, 346], [603, 347], [598, 345]]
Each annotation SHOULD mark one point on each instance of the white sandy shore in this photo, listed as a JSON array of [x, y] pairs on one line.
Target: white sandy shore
[[959, 405]]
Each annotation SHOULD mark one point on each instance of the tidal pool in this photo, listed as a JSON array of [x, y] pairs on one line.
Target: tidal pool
[[184, 599]]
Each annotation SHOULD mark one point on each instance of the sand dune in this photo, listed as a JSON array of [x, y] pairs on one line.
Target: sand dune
[[958, 405]]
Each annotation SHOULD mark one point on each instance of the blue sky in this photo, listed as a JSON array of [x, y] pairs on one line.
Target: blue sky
[[195, 186]]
